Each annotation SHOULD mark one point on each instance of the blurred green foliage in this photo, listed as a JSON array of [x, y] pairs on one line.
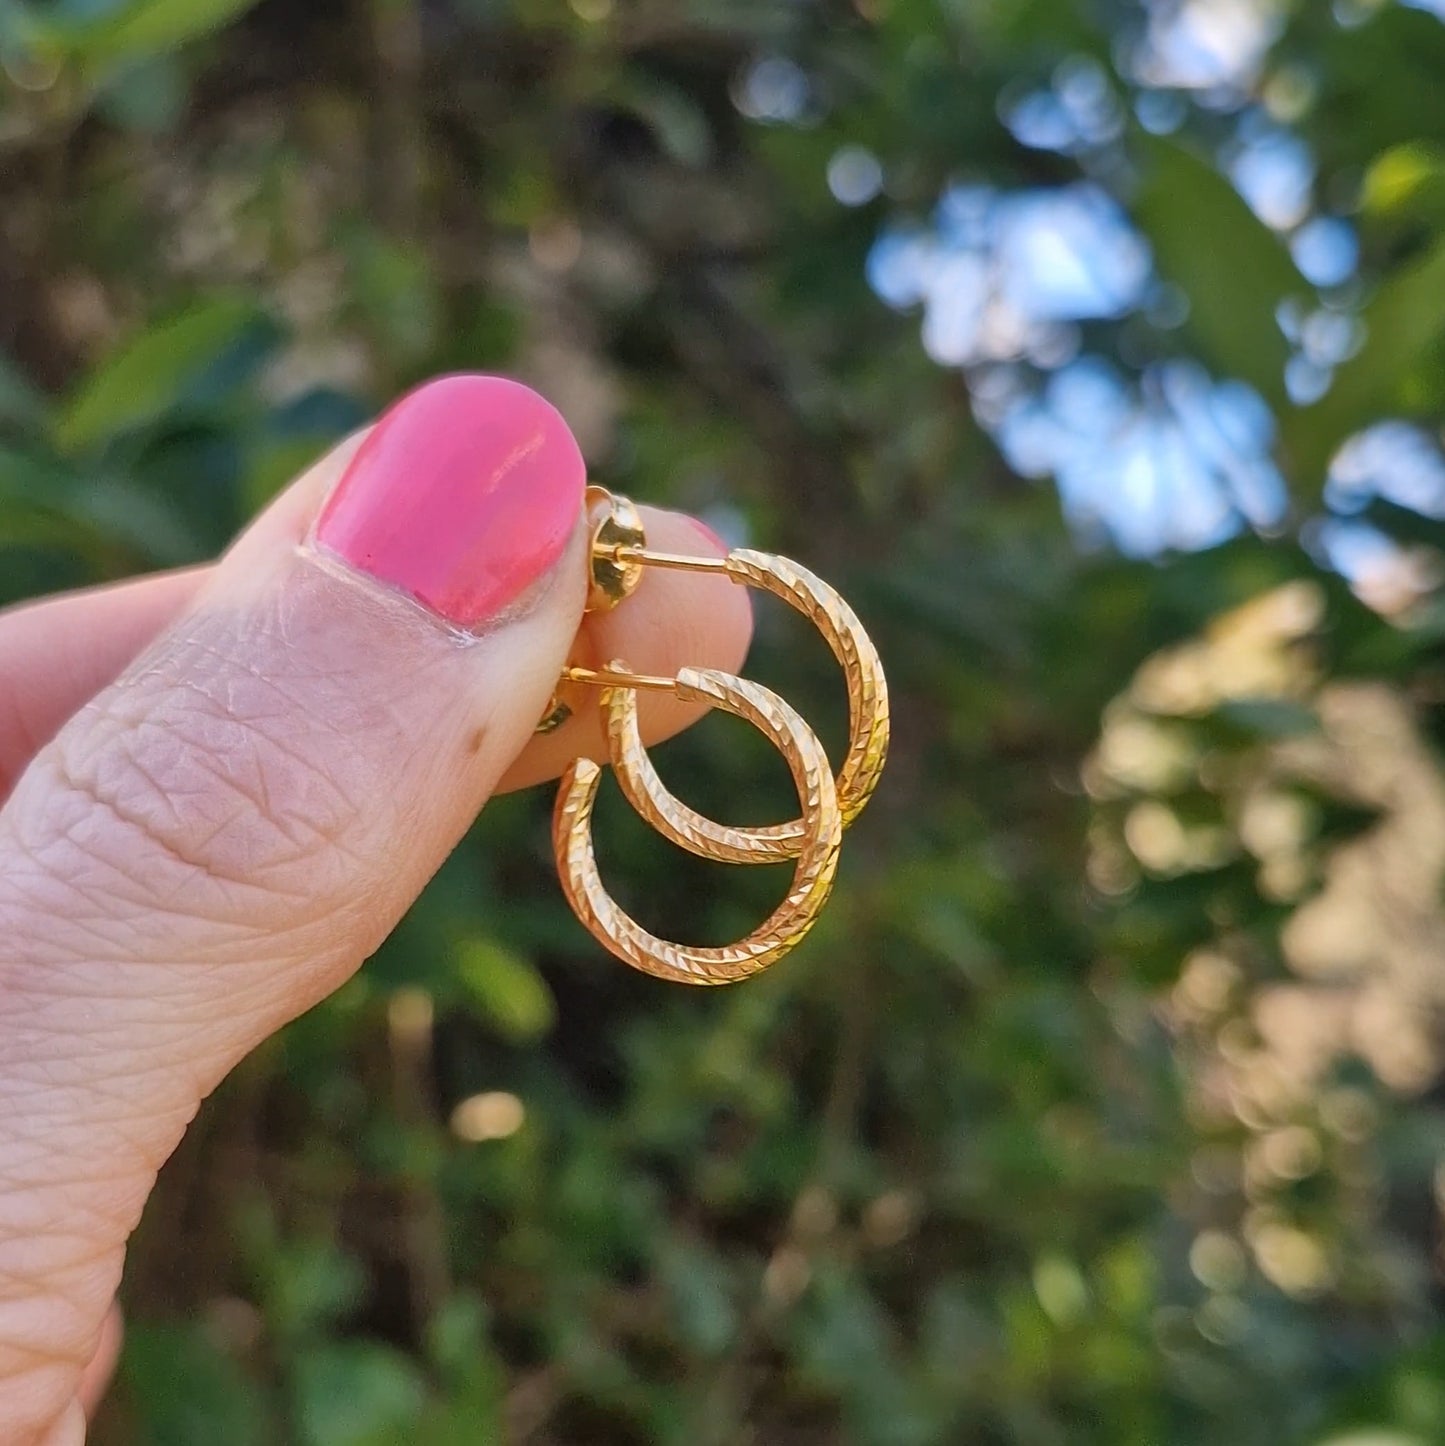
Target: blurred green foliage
[[1049, 1134]]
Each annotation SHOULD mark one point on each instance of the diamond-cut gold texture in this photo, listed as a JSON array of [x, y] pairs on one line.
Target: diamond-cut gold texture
[[817, 858], [822, 605]]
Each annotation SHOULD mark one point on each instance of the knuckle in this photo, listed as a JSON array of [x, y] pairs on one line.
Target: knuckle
[[205, 798]]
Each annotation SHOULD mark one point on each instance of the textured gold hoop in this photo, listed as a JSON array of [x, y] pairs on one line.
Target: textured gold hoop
[[817, 855], [868, 720]]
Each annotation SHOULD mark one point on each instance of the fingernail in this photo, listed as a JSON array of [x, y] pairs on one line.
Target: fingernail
[[464, 493]]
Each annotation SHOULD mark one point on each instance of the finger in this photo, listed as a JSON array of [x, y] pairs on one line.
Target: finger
[[221, 836], [58, 653]]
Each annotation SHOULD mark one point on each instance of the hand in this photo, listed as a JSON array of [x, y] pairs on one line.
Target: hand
[[224, 786]]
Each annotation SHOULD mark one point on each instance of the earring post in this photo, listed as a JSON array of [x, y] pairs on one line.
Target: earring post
[[609, 678], [622, 552]]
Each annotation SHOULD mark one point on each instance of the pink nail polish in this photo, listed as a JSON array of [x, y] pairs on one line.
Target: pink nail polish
[[465, 492]]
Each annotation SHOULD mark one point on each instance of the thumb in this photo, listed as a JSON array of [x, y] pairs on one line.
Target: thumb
[[218, 839]]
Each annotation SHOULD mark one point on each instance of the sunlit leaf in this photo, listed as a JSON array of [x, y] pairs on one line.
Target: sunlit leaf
[[1405, 182], [507, 989], [1369, 1437]]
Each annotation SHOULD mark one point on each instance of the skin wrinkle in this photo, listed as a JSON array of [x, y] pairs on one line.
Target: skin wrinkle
[[24, 1349], [100, 930], [304, 832], [350, 645], [167, 875], [70, 1096], [27, 1064], [289, 709], [339, 695], [58, 1206], [332, 831], [173, 989], [192, 912], [240, 818], [62, 1265], [33, 1169], [60, 1070], [60, 1276], [19, 1170], [44, 1370], [36, 1261], [34, 1356], [198, 852], [19, 1161], [236, 755], [174, 1085]]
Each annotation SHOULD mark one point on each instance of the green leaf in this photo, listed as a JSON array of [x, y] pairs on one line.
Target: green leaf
[[1235, 271], [697, 1286], [20, 403], [153, 372], [1268, 717], [1404, 317], [104, 33], [456, 1336], [674, 116], [507, 988], [311, 1285], [85, 12], [355, 1393], [182, 1389], [148, 95], [396, 290]]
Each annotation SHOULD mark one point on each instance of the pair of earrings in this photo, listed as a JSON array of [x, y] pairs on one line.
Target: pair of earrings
[[618, 555]]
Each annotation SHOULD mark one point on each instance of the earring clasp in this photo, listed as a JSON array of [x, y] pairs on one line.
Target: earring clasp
[[619, 551]]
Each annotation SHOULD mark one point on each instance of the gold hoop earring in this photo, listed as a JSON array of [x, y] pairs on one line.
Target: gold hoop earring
[[868, 719], [817, 858], [618, 555]]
